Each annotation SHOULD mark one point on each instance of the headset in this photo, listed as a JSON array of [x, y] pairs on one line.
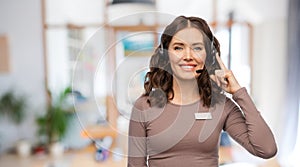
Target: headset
[[161, 49], [213, 50]]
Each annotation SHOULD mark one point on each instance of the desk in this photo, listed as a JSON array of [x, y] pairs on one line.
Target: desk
[[69, 159], [99, 132]]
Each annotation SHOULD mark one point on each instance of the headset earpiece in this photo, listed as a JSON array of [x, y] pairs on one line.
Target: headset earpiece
[[161, 49], [213, 51]]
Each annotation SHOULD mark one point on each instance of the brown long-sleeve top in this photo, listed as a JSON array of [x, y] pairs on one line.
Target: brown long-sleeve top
[[171, 136]]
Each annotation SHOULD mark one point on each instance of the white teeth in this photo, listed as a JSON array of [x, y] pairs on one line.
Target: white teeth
[[187, 67]]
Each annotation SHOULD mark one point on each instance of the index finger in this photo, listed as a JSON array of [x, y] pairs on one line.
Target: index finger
[[223, 67]]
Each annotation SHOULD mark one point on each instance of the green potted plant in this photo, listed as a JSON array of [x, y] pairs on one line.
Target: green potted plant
[[53, 125], [14, 107]]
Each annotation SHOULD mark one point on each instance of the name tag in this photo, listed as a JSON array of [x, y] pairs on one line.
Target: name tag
[[205, 115]]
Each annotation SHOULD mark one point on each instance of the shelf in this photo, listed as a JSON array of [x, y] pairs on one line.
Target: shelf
[[98, 132]]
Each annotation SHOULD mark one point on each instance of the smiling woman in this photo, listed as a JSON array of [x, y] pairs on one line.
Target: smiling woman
[[179, 118]]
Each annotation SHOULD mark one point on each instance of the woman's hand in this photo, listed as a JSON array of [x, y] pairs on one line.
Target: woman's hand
[[225, 78]]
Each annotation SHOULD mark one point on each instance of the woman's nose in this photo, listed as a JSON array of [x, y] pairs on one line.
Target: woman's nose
[[188, 53]]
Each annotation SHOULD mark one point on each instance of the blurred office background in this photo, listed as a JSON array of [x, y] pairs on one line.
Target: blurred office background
[[86, 59]]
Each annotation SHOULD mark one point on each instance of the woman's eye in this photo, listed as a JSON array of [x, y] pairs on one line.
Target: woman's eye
[[177, 48], [197, 48]]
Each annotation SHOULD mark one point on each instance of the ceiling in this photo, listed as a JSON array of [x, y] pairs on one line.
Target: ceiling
[[91, 11], [252, 10]]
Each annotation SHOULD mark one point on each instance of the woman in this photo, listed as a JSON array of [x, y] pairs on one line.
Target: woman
[[179, 119]]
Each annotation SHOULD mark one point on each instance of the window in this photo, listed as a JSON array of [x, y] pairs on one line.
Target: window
[[236, 52]]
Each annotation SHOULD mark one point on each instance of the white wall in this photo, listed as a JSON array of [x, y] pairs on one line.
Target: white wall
[[269, 71], [21, 22]]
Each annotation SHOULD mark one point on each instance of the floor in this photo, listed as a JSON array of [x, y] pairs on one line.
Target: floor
[[70, 158], [86, 157], [78, 159]]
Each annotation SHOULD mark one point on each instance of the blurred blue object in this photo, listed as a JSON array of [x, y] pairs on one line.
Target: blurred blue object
[[225, 140]]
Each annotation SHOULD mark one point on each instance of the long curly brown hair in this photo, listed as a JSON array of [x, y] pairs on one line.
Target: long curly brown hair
[[159, 80]]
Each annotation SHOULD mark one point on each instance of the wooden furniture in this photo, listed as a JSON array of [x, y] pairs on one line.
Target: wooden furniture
[[4, 54], [70, 159], [110, 128]]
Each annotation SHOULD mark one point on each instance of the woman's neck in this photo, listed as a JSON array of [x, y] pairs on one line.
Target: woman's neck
[[185, 91]]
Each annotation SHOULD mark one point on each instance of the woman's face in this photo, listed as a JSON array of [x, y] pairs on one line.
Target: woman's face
[[187, 53]]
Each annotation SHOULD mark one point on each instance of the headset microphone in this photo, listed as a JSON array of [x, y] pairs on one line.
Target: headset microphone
[[199, 71]]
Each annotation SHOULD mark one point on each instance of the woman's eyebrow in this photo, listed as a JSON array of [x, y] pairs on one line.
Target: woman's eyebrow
[[194, 44], [178, 43], [197, 43]]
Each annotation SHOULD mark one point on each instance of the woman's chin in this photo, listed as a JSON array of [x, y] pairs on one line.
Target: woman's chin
[[186, 77]]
